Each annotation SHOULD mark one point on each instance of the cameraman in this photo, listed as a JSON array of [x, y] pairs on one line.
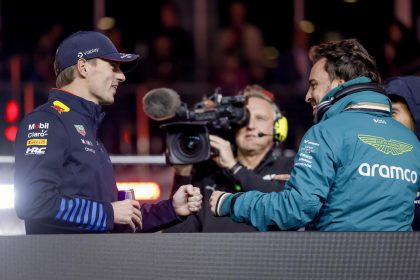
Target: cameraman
[[252, 168]]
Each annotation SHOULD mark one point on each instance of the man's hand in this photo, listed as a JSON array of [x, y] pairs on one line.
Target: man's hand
[[127, 212], [214, 198], [187, 200], [225, 159]]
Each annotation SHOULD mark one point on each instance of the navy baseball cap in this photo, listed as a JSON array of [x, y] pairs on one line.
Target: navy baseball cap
[[88, 45], [407, 87]]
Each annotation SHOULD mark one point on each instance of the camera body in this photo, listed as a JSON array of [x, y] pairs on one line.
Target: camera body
[[187, 139]]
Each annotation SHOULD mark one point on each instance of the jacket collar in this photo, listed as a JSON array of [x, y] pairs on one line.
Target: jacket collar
[[359, 100], [78, 104], [271, 156]]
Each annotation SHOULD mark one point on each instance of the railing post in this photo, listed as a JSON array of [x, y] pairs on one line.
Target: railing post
[[142, 123]]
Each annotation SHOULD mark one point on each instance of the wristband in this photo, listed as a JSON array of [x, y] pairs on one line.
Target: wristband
[[222, 208], [234, 169]]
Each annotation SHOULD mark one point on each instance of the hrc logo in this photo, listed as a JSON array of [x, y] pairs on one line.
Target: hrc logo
[[35, 151]]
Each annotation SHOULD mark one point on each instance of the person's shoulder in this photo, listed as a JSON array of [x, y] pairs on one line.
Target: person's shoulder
[[42, 115], [42, 110]]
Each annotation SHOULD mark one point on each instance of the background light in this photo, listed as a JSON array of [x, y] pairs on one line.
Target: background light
[[12, 111], [142, 190], [10, 133], [7, 196]]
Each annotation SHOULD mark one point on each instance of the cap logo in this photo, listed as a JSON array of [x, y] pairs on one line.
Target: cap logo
[[79, 54], [91, 51], [126, 55]]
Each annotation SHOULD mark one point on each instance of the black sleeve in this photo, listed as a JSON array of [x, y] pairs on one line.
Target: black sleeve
[[190, 224], [158, 216], [41, 150], [200, 170], [248, 180]]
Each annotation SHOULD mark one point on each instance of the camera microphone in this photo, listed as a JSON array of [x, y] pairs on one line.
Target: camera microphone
[[161, 103], [262, 134]]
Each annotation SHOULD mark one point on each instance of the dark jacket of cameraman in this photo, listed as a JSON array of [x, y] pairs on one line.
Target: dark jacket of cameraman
[[209, 177]]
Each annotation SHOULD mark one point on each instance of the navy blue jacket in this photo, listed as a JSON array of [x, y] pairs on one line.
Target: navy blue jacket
[[64, 180], [408, 87]]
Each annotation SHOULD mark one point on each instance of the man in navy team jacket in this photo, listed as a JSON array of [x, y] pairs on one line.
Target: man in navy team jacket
[[406, 90], [64, 179]]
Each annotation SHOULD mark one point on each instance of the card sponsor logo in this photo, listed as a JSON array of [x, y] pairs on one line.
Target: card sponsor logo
[[36, 142]]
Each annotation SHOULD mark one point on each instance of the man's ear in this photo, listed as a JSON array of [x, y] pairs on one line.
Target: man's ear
[[337, 82], [82, 67]]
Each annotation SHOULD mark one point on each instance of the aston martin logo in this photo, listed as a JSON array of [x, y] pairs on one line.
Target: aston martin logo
[[390, 146]]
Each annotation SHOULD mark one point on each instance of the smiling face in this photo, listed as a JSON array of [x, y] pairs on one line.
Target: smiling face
[[261, 120], [103, 80], [319, 84]]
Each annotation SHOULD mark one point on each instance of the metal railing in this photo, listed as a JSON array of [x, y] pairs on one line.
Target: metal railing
[[147, 159]]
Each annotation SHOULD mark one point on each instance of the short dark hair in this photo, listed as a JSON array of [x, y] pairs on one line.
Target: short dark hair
[[346, 59], [67, 76]]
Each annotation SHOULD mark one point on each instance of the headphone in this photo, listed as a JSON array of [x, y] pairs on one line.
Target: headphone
[[326, 105], [280, 127]]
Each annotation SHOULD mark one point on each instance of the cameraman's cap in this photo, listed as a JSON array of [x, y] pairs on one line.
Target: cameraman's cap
[[88, 45]]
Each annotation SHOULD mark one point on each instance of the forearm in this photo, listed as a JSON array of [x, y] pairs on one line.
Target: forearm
[[64, 212], [158, 216], [284, 209]]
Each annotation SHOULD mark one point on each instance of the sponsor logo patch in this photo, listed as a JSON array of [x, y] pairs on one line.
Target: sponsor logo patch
[[35, 151], [90, 150], [36, 142], [379, 121], [389, 172], [87, 142], [80, 129], [38, 126], [43, 133], [60, 107], [390, 146]]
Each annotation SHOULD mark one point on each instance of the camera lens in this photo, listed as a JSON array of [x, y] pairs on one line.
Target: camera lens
[[190, 144], [187, 143]]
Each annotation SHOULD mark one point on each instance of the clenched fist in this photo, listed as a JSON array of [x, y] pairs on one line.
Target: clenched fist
[[187, 200]]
